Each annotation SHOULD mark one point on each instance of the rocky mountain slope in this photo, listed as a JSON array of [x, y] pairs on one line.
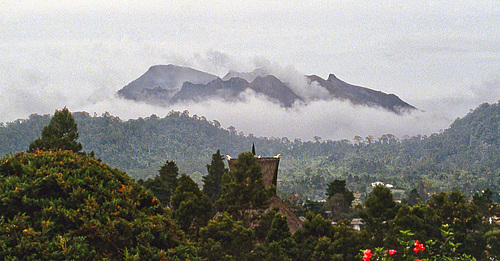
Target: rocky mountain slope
[[161, 82], [169, 84]]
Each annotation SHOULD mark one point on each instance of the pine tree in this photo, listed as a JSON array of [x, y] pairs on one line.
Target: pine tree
[[61, 133], [225, 239], [279, 229], [163, 186], [192, 209], [169, 173], [339, 187], [212, 182], [244, 195]]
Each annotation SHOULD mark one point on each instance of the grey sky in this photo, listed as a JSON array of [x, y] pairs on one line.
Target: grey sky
[[441, 56]]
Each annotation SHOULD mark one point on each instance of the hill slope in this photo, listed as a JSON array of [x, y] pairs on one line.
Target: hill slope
[[465, 156]]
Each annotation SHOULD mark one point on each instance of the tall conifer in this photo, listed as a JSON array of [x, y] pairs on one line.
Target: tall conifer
[[61, 133], [212, 182]]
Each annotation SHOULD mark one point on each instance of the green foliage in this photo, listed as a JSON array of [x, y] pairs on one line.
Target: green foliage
[[493, 242], [319, 239], [163, 185], [275, 237], [453, 209], [191, 208], [378, 212], [265, 223], [271, 252], [380, 204], [76, 207], [225, 239], [279, 229], [244, 195], [418, 218], [466, 156], [484, 203], [339, 198], [212, 182], [308, 237], [413, 198], [60, 134], [64, 205]]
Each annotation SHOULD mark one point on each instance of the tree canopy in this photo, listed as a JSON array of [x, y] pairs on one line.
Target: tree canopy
[[465, 156], [192, 208], [63, 205], [212, 182], [244, 195], [164, 185], [61, 133]]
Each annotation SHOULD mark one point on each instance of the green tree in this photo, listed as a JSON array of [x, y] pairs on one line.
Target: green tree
[[273, 233], [212, 182], [61, 133], [225, 239], [348, 241], [339, 198], [244, 195], [484, 203], [413, 198], [378, 213], [339, 187], [463, 218], [191, 208], [163, 185], [314, 239], [62, 205], [279, 229], [418, 218], [169, 173]]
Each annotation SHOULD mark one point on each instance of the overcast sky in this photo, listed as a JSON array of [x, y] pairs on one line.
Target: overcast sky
[[440, 56]]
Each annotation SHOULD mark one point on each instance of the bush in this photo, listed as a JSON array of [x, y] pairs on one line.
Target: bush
[[65, 205]]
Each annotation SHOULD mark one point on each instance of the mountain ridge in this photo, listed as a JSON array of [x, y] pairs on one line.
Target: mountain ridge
[[170, 84]]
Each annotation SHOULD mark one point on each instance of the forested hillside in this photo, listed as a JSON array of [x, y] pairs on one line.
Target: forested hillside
[[466, 156], [58, 202]]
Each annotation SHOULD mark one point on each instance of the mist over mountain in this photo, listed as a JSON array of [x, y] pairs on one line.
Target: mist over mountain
[[161, 82], [170, 84], [361, 95]]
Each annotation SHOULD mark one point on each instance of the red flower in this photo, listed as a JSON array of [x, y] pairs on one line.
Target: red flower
[[392, 252], [367, 255], [418, 246]]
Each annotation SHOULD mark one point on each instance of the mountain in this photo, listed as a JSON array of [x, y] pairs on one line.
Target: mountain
[[250, 76], [231, 89], [275, 89], [161, 82], [361, 95], [228, 90], [168, 84]]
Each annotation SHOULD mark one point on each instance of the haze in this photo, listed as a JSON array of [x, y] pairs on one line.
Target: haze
[[441, 56]]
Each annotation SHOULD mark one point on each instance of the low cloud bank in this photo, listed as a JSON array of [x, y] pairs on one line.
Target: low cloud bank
[[327, 119]]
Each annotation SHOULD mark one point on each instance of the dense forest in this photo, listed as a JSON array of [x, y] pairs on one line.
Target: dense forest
[[466, 156], [59, 201]]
